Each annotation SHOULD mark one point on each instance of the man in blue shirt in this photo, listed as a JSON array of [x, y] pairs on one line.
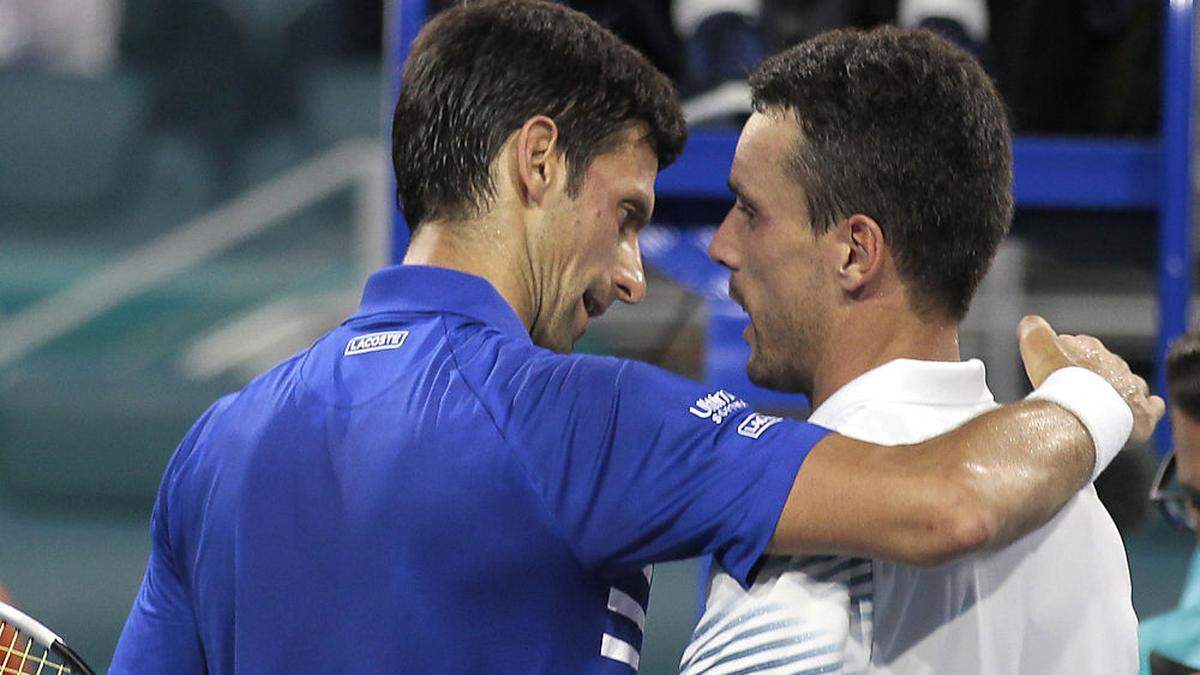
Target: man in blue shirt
[[438, 486]]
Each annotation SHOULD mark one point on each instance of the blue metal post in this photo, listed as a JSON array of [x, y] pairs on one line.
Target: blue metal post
[[404, 20], [1175, 221]]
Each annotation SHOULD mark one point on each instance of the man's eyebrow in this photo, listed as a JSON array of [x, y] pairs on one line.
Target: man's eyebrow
[[740, 193]]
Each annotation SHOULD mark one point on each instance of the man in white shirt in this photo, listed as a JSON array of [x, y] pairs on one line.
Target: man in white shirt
[[873, 186]]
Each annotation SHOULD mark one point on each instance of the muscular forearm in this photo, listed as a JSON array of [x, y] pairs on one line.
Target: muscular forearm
[[982, 485], [1018, 466]]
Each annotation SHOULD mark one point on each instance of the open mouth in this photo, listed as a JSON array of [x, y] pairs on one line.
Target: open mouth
[[737, 298], [593, 306]]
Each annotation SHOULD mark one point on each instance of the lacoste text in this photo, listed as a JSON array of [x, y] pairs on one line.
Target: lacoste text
[[374, 342]]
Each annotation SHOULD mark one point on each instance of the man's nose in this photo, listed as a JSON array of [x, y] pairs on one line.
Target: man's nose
[[629, 279], [719, 249]]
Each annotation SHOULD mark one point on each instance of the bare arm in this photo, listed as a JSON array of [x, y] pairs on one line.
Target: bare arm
[[982, 485]]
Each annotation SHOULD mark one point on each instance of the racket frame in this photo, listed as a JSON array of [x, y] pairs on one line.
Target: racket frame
[[43, 636]]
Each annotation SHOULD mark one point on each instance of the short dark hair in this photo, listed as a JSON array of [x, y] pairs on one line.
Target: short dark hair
[[1183, 374], [904, 127], [478, 71]]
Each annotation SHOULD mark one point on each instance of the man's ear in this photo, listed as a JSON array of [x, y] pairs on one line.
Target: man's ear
[[862, 252], [538, 162]]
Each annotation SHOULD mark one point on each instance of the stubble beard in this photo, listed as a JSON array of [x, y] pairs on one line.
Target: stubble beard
[[780, 370]]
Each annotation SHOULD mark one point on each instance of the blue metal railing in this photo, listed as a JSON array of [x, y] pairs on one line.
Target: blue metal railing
[[1175, 210]]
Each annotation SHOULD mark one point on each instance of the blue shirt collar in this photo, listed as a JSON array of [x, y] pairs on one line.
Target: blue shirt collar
[[418, 288]]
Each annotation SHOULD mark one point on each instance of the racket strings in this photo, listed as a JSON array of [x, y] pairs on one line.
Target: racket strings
[[18, 661]]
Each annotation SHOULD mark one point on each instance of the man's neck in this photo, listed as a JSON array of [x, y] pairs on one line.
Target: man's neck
[[856, 347], [485, 252]]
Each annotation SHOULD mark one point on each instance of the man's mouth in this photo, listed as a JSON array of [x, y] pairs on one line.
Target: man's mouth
[[593, 306], [737, 297]]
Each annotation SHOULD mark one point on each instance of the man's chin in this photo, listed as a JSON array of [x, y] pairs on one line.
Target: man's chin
[[759, 377], [561, 342], [569, 348], [774, 378], [564, 345], [577, 335]]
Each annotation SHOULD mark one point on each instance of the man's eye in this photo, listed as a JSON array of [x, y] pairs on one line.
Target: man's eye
[[631, 219]]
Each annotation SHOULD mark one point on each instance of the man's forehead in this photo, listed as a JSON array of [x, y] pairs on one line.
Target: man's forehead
[[633, 162], [766, 143], [767, 137]]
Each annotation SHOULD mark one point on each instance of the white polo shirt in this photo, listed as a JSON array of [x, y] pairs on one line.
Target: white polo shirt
[[1057, 601]]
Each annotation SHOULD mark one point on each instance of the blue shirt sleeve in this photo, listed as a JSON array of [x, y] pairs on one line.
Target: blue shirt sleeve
[[161, 635], [637, 465]]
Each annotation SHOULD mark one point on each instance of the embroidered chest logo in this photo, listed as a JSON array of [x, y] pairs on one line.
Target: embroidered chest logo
[[717, 406], [756, 423], [374, 342]]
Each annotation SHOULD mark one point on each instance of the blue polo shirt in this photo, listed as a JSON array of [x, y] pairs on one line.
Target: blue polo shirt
[[424, 490]]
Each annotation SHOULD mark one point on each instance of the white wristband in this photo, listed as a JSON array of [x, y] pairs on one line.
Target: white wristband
[[1098, 406]]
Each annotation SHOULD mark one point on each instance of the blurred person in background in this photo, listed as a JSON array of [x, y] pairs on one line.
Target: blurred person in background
[[723, 40], [1105, 53], [708, 47], [1170, 642]]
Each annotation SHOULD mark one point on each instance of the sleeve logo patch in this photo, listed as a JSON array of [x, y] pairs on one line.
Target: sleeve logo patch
[[756, 423], [717, 406], [374, 342]]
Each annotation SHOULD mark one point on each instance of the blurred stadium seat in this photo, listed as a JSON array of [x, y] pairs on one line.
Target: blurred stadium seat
[[67, 140]]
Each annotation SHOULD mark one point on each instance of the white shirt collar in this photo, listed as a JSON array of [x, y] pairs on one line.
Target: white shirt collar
[[908, 381]]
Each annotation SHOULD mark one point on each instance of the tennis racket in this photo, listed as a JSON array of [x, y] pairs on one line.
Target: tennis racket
[[29, 648]]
